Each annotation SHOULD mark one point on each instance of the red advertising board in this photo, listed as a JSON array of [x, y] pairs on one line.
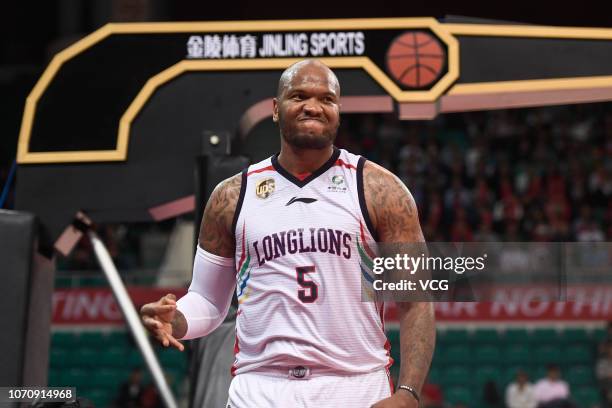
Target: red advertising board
[[98, 306]]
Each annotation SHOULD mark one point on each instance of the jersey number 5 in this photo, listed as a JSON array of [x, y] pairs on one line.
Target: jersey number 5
[[310, 295]]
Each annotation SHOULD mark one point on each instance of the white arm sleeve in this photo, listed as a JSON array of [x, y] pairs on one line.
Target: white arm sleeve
[[210, 294]]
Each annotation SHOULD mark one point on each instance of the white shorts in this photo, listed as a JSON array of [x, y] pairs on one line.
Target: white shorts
[[297, 388]]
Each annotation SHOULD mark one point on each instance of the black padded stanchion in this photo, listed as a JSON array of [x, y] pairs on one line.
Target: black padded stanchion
[[26, 285]]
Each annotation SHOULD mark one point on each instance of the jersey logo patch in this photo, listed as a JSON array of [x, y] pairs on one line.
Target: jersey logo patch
[[337, 184], [298, 372], [300, 200], [265, 187]]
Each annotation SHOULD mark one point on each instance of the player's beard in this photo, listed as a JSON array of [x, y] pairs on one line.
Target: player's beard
[[307, 140]]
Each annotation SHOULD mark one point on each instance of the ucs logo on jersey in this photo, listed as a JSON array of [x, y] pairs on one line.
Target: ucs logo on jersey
[[265, 187], [337, 184]]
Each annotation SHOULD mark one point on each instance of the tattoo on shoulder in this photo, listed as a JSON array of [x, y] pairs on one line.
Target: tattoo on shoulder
[[216, 235], [390, 205]]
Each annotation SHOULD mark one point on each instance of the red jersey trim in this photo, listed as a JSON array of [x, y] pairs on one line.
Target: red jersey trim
[[236, 351], [261, 170], [341, 163]]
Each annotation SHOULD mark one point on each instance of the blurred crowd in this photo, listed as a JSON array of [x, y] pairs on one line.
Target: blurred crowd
[[540, 174]]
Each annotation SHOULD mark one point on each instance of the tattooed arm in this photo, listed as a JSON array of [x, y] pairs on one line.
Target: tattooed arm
[[216, 235], [162, 318], [395, 218]]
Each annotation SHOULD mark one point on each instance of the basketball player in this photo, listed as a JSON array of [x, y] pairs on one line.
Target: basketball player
[[290, 234]]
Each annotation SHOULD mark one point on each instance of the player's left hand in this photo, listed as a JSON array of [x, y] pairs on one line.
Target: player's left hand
[[397, 400]]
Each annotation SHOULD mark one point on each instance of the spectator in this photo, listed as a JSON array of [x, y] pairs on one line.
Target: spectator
[[603, 346], [435, 210], [559, 229], [578, 192], [432, 396], [131, 391], [509, 209], [149, 397], [490, 395], [520, 394], [556, 183], [551, 391], [485, 232], [457, 196], [534, 188], [460, 230], [604, 373], [390, 129], [590, 232], [540, 230], [77, 403], [483, 196], [600, 185]]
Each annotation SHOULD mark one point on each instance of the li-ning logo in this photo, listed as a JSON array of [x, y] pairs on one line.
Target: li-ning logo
[[337, 184], [300, 200], [265, 187]]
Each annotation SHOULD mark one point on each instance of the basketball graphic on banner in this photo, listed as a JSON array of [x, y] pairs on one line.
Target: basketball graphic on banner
[[416, 59]]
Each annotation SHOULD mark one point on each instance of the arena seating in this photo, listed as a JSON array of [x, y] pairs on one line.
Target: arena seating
[[466, 359], [98, 363]]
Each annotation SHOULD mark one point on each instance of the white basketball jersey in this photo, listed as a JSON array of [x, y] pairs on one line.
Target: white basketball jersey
[[301, 246]]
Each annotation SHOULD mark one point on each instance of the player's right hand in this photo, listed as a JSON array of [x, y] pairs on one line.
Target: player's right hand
[[157, 318]]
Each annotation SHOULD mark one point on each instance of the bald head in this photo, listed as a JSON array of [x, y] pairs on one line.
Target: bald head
[[307, 107], [303, 68]]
